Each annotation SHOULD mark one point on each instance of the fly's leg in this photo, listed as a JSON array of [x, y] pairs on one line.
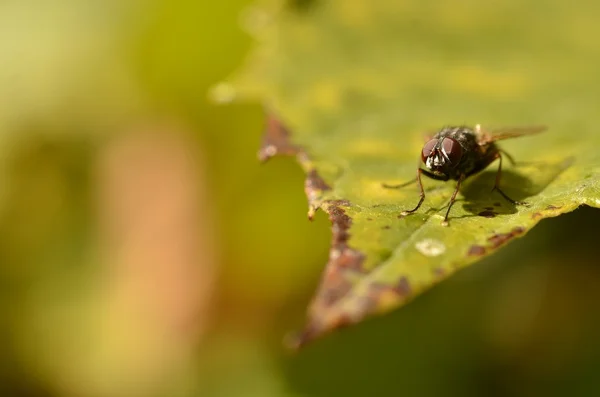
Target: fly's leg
[[385, 185], [509, 157], [513, 162], [422, 193], [452, 200], [497, 184], [421, 190]]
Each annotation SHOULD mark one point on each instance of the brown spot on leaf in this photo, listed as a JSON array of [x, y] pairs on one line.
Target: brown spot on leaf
[[342, 203], [337, 287], [344, 264], [476, 250], [340, 224], [500, 239], [315, 182], [539, 215], [350, 259], [296, 340], [497, 205], [276, 140], [314, 186], [366, 304], [344, 256], [488, 214], [380, 291], [315, 328], [496, 241], [403, 287], [343, 321], [343, 261], [386, 227]]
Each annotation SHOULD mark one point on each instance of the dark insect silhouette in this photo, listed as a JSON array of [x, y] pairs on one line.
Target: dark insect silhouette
[[459, 152]]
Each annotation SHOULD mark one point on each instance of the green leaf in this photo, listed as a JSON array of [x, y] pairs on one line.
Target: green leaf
[[358, 83]]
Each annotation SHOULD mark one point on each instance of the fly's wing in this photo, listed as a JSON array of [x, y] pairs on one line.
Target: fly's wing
[[488, 136]]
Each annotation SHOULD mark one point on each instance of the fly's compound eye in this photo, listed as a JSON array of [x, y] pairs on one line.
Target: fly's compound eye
[[428, 149], [452, 150]]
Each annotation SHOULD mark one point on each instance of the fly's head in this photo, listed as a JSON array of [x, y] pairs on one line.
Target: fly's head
[[441, 155]]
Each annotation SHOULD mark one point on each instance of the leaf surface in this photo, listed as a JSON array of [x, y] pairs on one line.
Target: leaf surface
[[353, 87]]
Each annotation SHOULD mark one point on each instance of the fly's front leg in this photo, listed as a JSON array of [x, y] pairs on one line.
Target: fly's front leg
[[421, 190], [401, 185], [385, 185], [452, 200], [509, 157], [422, 193], [497, 183], [513, 162]]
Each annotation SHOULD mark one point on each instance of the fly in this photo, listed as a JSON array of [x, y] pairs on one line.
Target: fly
[[459, 152]]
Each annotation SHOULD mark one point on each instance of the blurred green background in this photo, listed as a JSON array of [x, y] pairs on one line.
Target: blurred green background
[[145, 252]]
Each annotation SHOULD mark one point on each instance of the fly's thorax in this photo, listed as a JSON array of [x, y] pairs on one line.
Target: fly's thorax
[[465, 136]]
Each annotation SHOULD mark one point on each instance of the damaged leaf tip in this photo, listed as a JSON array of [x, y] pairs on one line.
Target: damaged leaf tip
[[276, 140]]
